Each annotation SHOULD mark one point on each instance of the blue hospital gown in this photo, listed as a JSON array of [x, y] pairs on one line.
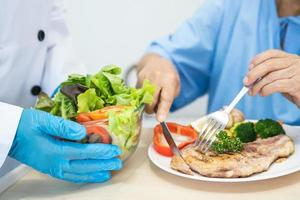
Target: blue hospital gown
[[212, 50]]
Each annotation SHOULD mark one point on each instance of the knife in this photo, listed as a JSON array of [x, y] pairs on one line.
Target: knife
[[170, 140], [172, 144]]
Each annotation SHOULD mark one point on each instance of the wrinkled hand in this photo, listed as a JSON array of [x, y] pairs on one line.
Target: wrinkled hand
[[160, 72], [280, 72], [36, 144]]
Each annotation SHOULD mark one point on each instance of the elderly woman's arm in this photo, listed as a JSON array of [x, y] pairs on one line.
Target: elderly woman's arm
[[280, 72]]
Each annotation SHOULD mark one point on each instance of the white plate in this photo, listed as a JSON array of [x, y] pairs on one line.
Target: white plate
[[291, 165]]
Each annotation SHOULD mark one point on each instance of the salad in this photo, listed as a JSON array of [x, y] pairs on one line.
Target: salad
[[110, 110]]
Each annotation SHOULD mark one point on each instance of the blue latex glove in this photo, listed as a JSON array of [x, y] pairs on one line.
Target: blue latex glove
[[36, 144]]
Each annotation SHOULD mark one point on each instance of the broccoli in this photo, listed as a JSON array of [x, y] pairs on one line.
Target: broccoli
[[228, 132], [244, 131], [268, 128], [226, 144]]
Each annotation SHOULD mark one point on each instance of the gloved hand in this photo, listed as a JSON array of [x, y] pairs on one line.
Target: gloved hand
[[36, 144]]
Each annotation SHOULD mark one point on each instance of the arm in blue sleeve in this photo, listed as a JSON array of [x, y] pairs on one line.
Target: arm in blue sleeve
[[191, 49]]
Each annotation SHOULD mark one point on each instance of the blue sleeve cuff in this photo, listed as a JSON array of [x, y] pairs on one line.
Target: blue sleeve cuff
[[158, 49]]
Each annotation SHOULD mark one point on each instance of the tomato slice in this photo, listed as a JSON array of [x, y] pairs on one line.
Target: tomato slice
[[174, 128], [102, 132]]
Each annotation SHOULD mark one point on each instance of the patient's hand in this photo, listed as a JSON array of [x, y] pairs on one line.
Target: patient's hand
[[164, 76], [280, 72]]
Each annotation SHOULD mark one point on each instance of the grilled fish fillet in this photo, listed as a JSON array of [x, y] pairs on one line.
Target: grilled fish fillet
[[256, 157]]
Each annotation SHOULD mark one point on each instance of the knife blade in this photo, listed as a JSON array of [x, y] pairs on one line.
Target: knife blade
[[170, 139], [176, 151]]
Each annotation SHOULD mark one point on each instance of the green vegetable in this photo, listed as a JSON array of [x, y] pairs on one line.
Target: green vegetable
[[89, 101], [63, 106], [75, 79], [44, 102], [268, 128], [59, 106], [228, 132], [244, 131], [124, 126], [108, 82], [117, 84], [72, 91], [68, 109], [146, 93], [80, 94], [112, 69], [226, 144], [92, 92]]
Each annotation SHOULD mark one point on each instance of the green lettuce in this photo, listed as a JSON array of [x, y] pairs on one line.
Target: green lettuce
[[136, 97], [75, 78], [102, 85], [63, 107], [104, 88], [68, 109], [59, 106], [44, 102], [89, 101], [124, 127], [112, 69]]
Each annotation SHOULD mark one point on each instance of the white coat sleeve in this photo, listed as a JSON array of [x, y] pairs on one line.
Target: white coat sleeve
[[9, 121], [60, 61]]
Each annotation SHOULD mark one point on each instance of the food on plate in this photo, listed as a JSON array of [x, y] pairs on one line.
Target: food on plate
[[110, 110], [268, 128], [242, 149], [235, 117], [256, 157], [187, 136], [226, 144], [244, 131]]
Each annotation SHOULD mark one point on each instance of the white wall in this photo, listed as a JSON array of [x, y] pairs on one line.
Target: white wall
[[118, 31]]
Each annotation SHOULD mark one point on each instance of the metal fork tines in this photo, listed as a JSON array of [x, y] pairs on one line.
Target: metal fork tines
[[217, 121], [208, 134]]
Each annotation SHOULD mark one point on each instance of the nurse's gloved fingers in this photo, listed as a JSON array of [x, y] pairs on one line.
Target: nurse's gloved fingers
[[165, 102], [97, 177], [58, 126], [90, 166], [73, 151], [151, 108], [272, 77], [266, 55], [265, 68]]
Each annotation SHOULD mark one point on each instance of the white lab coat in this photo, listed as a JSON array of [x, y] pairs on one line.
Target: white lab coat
[[34, 55]]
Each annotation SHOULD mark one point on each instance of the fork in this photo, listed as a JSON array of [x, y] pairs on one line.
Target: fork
[[217, 121]]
